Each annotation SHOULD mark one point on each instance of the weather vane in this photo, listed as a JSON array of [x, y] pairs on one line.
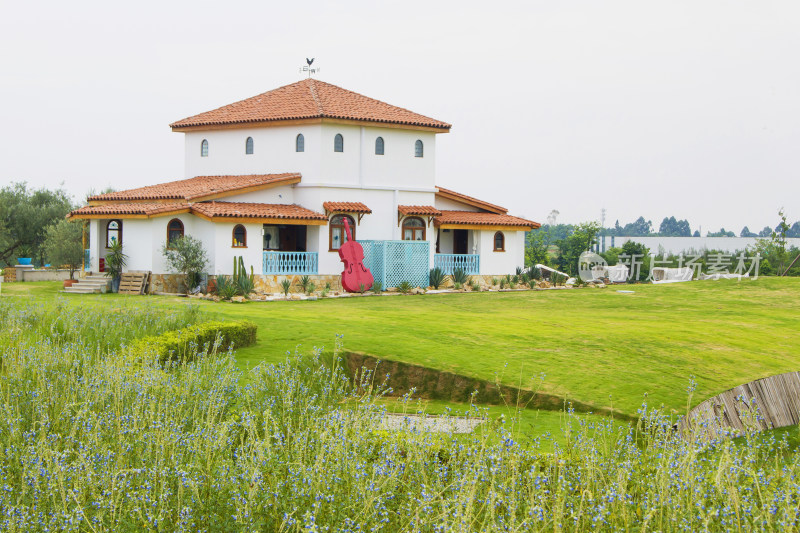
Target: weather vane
[[307, 67]]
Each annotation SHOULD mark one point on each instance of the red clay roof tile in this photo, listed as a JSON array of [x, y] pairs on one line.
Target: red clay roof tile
[[469, 200], [306, 99], [254, 210], [347, 207], [198, 188], [136, 210], [483, 219], [426, 210]]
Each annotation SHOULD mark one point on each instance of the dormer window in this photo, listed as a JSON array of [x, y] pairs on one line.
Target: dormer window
[[300, 143], [418, 148], [248, 146], [338, 143], [204, 148], [379, 146]]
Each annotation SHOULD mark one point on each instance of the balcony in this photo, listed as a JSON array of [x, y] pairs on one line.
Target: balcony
[[286, 263], [469, 263]]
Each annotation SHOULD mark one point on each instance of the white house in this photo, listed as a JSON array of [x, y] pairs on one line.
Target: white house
[[272, 177]]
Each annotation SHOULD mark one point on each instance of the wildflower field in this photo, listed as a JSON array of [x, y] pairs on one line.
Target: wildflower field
[[97, 436]]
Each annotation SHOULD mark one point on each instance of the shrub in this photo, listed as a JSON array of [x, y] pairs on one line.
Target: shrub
[[495, 281], [459, 276], [226, 288], [436, 277], [244, 285], [286, 285], [457, 286], [474, 286], [311, 287], [187, 256], [377, 287], [535, 273], [404, 287], [305, 281], [183, 344]]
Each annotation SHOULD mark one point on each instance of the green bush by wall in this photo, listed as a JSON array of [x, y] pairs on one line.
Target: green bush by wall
[[183, 344]]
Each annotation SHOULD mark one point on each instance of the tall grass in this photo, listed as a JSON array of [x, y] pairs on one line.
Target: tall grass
[[106, 442], [93, 326]]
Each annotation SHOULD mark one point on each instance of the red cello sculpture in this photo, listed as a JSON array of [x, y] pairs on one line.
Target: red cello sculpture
[[355, 277]]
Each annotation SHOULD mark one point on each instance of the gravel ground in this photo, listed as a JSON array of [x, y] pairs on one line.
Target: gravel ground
[[432, 423]]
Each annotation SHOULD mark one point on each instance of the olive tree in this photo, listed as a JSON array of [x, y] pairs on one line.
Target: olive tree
[[186, 255], [63, 245]]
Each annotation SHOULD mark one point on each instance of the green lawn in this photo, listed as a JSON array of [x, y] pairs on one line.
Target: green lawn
[[597, 346]]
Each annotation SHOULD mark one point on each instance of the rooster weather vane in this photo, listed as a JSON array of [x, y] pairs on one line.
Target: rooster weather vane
[[307, 67]]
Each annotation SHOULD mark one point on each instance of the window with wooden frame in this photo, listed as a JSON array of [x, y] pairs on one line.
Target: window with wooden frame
[[499, 242], [338, 143], [113, 232], [239, 236], [204, 148], [248, 146], [413, 229], [174, 231], [379, 146], [300, 143], [337, 233], [418, 148]]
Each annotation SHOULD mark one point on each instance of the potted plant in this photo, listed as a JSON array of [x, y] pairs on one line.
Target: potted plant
[[115, 262]]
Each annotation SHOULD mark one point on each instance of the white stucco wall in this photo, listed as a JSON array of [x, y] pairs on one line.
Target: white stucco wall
[[451, 205], [357, 166], [501, 263], [273, 151]]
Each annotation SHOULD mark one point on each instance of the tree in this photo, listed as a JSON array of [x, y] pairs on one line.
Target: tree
[[637, 256], [186, 256], [766, 232], [24, 218], [747, 233], [536, 245], [696, 233], [670, 227], [721, 233], [63, 245], [571, 248]]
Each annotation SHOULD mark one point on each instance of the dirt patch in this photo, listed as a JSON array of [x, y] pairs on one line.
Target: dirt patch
[[432, 384]]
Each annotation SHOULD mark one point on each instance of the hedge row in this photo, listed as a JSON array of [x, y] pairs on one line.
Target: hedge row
[[183, 344]]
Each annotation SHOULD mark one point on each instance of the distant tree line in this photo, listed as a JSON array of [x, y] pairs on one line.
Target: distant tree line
[[560, 245]]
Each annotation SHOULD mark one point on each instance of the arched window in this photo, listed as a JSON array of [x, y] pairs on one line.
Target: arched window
[[174, 231], [239, 236], [499, 242], [413, 229], [204, 148], [418, 148], [248, 146], [300, 143], [338, 143], [113, 232], [379, 146], [338, 235]]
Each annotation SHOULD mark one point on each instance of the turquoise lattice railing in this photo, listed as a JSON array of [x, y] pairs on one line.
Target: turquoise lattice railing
[[392, 262], [469, 263], [290, 263], [87, 260]]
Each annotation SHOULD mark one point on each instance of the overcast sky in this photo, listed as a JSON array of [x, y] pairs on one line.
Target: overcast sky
[[689, 109]]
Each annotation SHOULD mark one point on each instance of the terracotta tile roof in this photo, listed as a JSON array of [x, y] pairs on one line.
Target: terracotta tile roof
[[136, 210], [198, 188], [253, 210], [426, 210], [482, 219], [305, 99], [469, 200], [347, 207]]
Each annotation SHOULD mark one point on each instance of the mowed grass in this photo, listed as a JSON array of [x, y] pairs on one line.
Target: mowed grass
[[597, 346]]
